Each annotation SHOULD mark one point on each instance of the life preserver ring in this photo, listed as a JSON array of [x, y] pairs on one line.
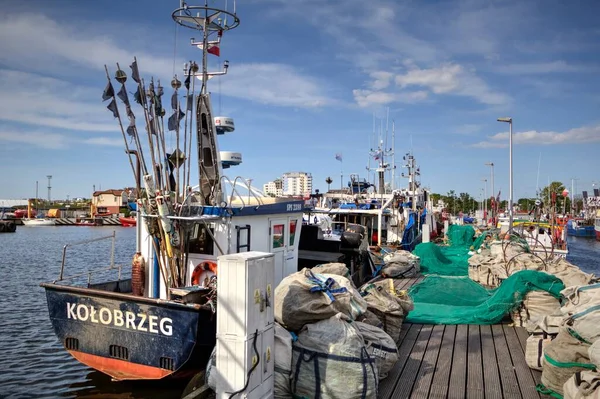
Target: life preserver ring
[[206, 266]]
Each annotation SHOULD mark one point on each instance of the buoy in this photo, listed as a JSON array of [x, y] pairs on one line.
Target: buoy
[[200, 272], [138, 274]]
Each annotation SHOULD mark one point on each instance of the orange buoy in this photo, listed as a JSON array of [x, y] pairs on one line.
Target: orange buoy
[[138, 274], [206, 266]]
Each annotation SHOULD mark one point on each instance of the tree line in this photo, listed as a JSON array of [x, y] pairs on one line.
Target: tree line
[[551, 194]]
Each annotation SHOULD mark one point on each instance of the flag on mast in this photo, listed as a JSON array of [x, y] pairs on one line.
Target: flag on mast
[[338, 156]]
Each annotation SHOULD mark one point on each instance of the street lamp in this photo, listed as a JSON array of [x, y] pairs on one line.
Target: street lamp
[[510, 172], [484, 201], [491, 164]]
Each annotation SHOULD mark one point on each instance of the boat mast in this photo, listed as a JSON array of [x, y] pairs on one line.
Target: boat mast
[[211, 21]]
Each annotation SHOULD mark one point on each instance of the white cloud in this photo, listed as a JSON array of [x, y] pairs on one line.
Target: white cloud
[[42, 44], [37, 100], [381, 80], [366, 98], [35, 138], [541, 67], [452, 79], [275, 84], [580, 135]]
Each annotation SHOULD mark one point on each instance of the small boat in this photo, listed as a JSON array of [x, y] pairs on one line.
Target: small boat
[[38, 222], [85, 223], [128, 222], [580, 227]]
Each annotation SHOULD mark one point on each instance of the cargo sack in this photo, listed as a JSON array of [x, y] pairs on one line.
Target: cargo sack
[[578, 297], [582, 312], [594, 354], [570, 274], [583, 385], [283, 363], [211, 370], [563, 357], [339, 269], [380, 346], [330, 360], [370, 318], [401, 264], [306, 297], [385, 307], [534, 349], [400, 296], [534, 307]]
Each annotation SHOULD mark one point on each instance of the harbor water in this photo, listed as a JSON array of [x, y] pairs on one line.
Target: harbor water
[[33, 364]]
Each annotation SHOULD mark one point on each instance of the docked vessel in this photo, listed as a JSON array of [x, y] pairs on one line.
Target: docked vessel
[[160, 322], [128, 221], [38, 222], [390, 216], [580, 227]]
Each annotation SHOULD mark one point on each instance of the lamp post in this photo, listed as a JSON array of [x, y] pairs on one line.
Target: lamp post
[[510, 172], [491, 164], [484, 201]]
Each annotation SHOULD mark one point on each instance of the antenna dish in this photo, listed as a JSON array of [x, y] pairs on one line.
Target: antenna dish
[[224, 124], [229, 158]]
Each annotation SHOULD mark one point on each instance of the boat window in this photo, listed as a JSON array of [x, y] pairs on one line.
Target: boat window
[[292, 231], [201, 242], [278, 235]]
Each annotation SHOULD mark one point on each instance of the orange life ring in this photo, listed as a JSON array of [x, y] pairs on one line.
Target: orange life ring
[[201, 268]]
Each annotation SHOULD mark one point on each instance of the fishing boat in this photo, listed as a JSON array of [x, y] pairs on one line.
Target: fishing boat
[[159, 321], [580, 227], [597, 228], [545, 239], [128, 221], [390, 216]]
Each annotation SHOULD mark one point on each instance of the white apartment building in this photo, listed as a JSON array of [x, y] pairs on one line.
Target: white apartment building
[[273, 188], [297, 183]]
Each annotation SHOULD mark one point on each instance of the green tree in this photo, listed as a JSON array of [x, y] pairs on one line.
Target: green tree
[[555, 190]]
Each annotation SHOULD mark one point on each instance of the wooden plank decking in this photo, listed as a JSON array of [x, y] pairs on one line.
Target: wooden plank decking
[[460, 361]]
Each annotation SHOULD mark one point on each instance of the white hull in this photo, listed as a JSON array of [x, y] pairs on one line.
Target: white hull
[[38, 222]]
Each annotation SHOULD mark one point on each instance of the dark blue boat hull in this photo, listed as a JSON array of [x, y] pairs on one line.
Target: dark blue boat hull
[[587, 231], [129, 337]]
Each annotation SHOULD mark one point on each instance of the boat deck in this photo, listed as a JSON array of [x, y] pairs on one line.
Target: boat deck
[[460, 361]]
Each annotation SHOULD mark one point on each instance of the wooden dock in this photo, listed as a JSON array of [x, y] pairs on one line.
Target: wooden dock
[[460, 361]]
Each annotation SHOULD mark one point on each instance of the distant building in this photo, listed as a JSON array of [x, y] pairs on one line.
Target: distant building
[[273, 188], [108, 201], [297, 183]]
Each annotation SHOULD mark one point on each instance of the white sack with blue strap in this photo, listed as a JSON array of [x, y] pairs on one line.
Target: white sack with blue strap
[[306, 297], [380, 346], [283, 363], [330, 360], [386, 307]]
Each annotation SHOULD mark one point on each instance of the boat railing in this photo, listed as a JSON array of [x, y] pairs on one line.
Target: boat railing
[[89, 273], [234, 190]]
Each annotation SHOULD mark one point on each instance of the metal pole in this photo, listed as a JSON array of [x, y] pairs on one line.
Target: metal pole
[[510, 184]]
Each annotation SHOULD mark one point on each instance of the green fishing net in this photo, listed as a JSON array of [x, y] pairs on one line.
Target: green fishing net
[[460, 300], [448, 296]]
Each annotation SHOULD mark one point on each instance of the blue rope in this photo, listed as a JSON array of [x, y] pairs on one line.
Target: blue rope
[[325, 286]]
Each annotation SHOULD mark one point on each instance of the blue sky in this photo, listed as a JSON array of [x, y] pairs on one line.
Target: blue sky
[[306, 78]]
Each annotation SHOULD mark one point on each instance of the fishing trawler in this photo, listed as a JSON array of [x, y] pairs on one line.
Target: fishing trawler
[[161, 321], [390, 216]]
